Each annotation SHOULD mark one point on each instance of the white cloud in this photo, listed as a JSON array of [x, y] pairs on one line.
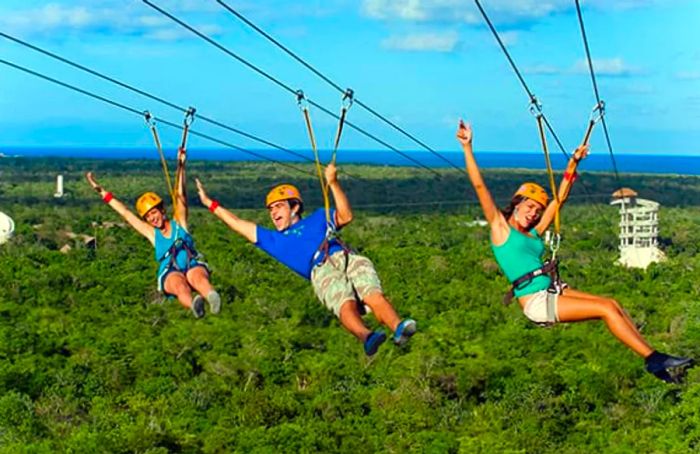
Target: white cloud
[[614, 67], [423, 42], [688, 75], [502, 12], [542, 70], [99, 17]]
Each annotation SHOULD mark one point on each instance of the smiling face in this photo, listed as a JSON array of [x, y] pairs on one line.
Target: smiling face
[[156, 217], [527, 214], [282, 214]]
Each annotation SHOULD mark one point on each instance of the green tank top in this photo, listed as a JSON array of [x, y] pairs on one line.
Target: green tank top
[[519, 255]]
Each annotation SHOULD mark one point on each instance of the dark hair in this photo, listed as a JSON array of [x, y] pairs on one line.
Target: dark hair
[[514, 202], [296, 202]]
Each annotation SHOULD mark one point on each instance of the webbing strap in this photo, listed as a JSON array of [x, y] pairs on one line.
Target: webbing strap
[[346, 103], [150, 121], [550, 267], [303, 105]]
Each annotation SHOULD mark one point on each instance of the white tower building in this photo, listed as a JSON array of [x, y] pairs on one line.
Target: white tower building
[[59, 187], [639, 229]]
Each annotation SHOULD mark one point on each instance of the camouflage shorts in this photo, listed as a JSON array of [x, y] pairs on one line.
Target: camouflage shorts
[[344, 278]]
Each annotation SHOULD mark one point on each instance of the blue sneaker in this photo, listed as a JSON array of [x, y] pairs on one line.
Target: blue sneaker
[[373, 342], [404, 331]]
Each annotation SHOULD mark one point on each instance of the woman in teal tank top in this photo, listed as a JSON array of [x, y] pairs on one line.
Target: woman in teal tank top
[[180, 272], [516, 243]]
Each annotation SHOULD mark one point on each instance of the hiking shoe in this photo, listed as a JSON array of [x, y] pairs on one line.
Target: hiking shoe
[[404, 331], [373, 342], [214, 301], [197, 307], [658, 364]]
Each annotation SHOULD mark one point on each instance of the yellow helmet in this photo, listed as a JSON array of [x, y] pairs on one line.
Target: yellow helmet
[[146, 202], [533, 191], [282, 192]]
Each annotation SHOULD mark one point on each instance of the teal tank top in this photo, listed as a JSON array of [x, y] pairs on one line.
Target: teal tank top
[[519, 255], [162, 247]]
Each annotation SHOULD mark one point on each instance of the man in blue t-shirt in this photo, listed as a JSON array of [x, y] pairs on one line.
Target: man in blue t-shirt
[[308, 247]]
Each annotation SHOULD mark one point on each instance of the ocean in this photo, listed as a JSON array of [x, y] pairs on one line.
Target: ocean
[[600, 162]]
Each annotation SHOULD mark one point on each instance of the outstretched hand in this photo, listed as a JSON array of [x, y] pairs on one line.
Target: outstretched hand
[[95, 185], [203, 197], [581, 152], [464, 133], [331, 174]]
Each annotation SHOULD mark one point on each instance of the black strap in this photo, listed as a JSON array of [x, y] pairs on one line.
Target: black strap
[[550, 267]]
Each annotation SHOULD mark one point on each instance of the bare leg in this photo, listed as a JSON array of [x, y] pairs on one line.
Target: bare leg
[[383, 310], [571, 308], [584, 295], [351, 320], [198, 278], [176, 284]]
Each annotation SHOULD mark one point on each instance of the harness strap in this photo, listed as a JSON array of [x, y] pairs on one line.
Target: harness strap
[[550, 267]]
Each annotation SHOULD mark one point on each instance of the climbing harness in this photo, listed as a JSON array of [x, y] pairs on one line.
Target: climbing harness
[[331, 231], [550, 267]]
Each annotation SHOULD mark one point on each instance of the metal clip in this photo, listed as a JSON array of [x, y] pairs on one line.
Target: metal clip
[[598, 112], [554, 244], [301, 100], [189, 116], [150, 119], [348, 98], [535, 106]]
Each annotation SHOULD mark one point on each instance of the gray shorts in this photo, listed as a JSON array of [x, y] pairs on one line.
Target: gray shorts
[[541, 308], [344, 277]]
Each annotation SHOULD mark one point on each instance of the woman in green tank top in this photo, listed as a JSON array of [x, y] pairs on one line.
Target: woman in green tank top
[[516, 243]]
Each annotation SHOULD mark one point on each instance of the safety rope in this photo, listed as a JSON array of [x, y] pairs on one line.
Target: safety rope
[[151, 123], [536, 110], [346, 103], [304, 106]]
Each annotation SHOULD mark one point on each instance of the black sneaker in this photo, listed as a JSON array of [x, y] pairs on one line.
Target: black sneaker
[[658, 364], [197, 306]]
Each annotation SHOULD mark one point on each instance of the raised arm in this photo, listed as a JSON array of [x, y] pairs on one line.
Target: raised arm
[[246, 229], [134, 221], [499, 226], [180, 209], [565, 186], [343, 211]]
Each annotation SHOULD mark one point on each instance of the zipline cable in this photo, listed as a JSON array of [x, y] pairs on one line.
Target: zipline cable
[[534, 102], [283, 85], [152, 96], [595, 89], [326, 79], [140, 114]]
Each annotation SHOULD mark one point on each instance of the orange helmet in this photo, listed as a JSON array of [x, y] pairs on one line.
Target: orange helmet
[[282, 192], [533, 191], [146, 202]]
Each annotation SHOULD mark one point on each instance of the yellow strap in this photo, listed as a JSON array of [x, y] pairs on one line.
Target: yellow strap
[[324, 186], [163, 162], [550, 173]]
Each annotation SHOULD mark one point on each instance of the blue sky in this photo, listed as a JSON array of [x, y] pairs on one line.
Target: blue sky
[[422, 63]]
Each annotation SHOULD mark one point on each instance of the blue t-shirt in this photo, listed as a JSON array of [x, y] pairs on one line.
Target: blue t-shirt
[[296, 246]]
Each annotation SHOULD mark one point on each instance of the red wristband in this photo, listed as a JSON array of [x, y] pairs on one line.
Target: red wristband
[[570, 176], [214, 205], [107, 197]]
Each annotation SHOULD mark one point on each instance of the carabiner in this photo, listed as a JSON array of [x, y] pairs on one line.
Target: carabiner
[[189, 116], [301, 100], [150, 119], [598, 112], [554, 243], [348, 98], [535, 106]]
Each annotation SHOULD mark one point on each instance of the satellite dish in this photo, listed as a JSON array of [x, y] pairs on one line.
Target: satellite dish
[[7, 227]]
